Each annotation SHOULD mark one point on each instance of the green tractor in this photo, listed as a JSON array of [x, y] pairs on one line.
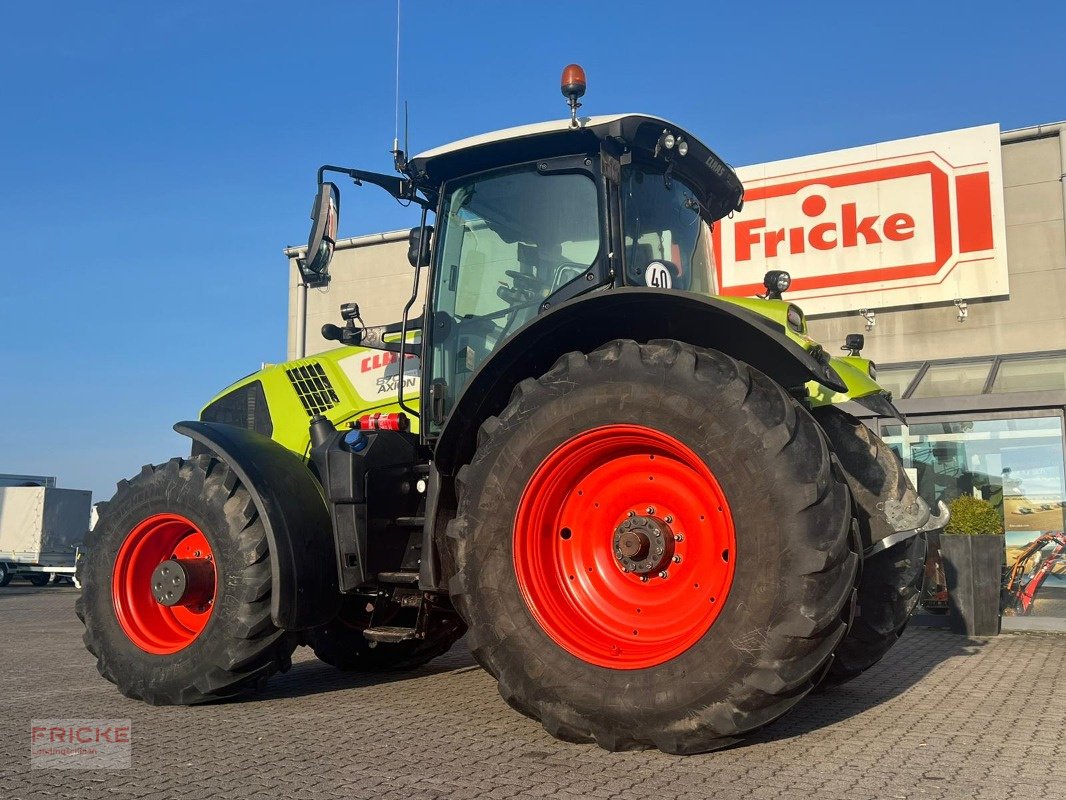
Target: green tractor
[[639, 500]]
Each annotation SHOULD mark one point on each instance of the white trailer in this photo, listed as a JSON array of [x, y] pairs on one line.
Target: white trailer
[[41, 530]]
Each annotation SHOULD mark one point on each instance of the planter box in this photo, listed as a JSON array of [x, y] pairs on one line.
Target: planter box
[[973, 566]]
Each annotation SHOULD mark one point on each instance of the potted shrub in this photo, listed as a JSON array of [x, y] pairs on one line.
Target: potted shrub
[[972, 548]]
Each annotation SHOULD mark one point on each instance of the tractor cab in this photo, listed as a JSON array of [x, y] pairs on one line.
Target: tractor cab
[[531, 217], [534, 216]]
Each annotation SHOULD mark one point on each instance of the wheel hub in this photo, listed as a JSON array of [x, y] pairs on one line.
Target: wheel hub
[[163, 583], [186, 582], [643, 544]]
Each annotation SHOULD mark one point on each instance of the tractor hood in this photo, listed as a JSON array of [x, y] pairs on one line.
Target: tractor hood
[[342, 384]]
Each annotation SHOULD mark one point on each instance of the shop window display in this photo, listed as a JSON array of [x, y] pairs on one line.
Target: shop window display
[[1015, 464]]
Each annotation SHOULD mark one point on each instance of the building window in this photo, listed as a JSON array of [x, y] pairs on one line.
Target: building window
[[1031, 375], [897, 379], [953, 380]]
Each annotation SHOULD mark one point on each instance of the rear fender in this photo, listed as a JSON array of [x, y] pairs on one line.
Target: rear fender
[[295, 515], [590, 321]]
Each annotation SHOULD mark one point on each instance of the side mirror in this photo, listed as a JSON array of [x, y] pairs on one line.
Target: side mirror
[[325, 216], [418, 246]]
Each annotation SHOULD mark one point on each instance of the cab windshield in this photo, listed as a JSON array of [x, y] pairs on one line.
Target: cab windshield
[[509, 239], [667, 240]]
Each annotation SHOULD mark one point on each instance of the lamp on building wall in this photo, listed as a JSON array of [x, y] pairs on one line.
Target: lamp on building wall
[[870, 317], [964, 309]]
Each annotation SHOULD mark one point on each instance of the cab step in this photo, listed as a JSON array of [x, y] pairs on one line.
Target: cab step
[[402, 576], [392, 635]]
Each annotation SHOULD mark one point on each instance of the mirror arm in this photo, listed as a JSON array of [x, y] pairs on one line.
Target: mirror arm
[[401, 189], [374, 338]]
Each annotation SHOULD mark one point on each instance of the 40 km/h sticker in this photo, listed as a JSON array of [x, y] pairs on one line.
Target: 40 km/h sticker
[[657, 275]]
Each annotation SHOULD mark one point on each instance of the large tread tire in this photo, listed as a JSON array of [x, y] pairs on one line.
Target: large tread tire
[[341, 644], [891, 582], [240, 648], [6, 574], [889, 590], [795, 569]]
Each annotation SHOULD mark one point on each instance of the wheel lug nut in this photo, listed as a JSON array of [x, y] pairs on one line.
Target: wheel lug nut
[[679, 537], [668, 519], [664, 574], [643, 578], [631, 513], [677, 559], [625, 569], [651, 509]]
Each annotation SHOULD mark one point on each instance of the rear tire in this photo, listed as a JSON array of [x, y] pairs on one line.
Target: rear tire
[[6, 574], [39, 579], [780, 615], [341, 644], [239, 647]]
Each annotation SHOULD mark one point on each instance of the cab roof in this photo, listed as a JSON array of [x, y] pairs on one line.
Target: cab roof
[[637, 134]]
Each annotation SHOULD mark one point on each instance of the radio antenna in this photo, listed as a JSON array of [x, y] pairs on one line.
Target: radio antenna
[[396, 130], [399, 156]]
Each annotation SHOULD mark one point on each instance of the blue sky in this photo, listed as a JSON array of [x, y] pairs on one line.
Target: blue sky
[[156, 158]]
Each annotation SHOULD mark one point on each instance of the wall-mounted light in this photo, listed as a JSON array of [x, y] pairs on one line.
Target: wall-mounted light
[[963, 308], [870, 317]]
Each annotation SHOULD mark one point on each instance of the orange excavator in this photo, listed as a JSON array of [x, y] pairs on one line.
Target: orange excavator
[[1022, 586]]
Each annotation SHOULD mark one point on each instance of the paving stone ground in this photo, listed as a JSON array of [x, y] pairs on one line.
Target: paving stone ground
[[940, 717]]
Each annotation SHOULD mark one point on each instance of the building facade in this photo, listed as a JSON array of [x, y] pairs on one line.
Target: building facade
[[983, 383]]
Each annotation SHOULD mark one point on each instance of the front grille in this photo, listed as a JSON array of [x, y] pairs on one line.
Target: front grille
[[313, 388], [245, 407]]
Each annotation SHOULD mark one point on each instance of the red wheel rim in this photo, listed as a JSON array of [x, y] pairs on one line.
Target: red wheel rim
[[156, 628], [566, 557]]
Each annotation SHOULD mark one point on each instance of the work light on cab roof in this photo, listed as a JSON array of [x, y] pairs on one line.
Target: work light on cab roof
[[573, 85]]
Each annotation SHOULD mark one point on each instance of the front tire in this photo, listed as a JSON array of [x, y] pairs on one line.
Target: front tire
[[6, 574], [561, 514], [891, 582], [194, 509], [889, 590]]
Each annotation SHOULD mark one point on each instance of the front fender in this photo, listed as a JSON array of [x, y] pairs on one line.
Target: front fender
[[592, 320], [861, 389], [294, 513]]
